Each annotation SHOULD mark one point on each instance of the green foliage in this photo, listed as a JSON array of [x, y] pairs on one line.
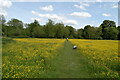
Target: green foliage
[[2, 22], [6, 40], [59, 30], [14, 28], [110, 33], [109, 30], [2, 19], [38, 32], [66, 32], [31, 28], [80, 33], [49, 29], [15, 23], [72, 31], [118, 28], [92, 32]]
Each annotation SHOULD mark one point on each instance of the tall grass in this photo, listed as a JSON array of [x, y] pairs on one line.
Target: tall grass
[[102, 56], [29, 58]]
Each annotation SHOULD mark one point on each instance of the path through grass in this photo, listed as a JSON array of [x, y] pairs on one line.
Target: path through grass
[[69, 64]]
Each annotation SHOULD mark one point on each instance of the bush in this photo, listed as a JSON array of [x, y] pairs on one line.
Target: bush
[[20, 37], [6, 40]]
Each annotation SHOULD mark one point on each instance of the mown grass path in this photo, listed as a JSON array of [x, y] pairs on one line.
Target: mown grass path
[[69, 64]]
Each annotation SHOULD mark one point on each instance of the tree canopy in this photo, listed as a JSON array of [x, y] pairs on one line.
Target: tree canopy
[[15, 28]]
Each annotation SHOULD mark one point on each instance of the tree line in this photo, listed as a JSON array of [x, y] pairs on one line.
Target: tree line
[[16, 28]]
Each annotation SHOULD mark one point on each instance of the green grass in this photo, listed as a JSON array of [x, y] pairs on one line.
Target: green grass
[[65, 63], [6, 40], [69, 64], [0, 58]]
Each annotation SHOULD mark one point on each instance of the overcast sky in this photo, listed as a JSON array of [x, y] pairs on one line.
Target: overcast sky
[[77, 14]]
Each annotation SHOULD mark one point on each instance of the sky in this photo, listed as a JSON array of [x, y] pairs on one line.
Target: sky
[[76, 14]]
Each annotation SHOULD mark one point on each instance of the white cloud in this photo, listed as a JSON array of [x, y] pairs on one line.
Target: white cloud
[[56, 18], [82, 5], [3, 12], [35, 13], [4, 4], [81, 14], [106, 14], [85, 4], [47, 8], [38, 19], [115, 6], [98, 0], [49, 16], [64, 0], [70, 22]]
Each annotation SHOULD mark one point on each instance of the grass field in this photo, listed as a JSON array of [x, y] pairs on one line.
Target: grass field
[[55, 58], [28, 57], [103, 55]]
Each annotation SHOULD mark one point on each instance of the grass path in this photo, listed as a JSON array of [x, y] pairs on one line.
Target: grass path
[[69, 64]]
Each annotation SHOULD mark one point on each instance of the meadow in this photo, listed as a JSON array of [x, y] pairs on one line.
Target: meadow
[[27, 58], [102, 55], [41, 58]]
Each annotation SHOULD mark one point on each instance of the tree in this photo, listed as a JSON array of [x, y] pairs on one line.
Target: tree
[[66, 32], [71, 30], [2, 19], [38, 32], [111, 33], [87, 31], [59, 30], [106, 24], [15, 23], [118, 28], [15, 26], [91, 32], [49, 29], [2, 25], [98, 32], [80, 33], [31, 26]]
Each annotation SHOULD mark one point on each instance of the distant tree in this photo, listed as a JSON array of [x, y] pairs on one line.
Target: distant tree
[[107, 24], [26, 32], [91, 32], [2, 19], [9, 31], [66, 32], [87, 31], [38, 32], [118, 28], [75, 34], [98, 32], [15, 26], [59, 30], [49, 29], [2, 25], [80, 33], [71, 30], [31, 26], [15, 23], [111, 33]]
